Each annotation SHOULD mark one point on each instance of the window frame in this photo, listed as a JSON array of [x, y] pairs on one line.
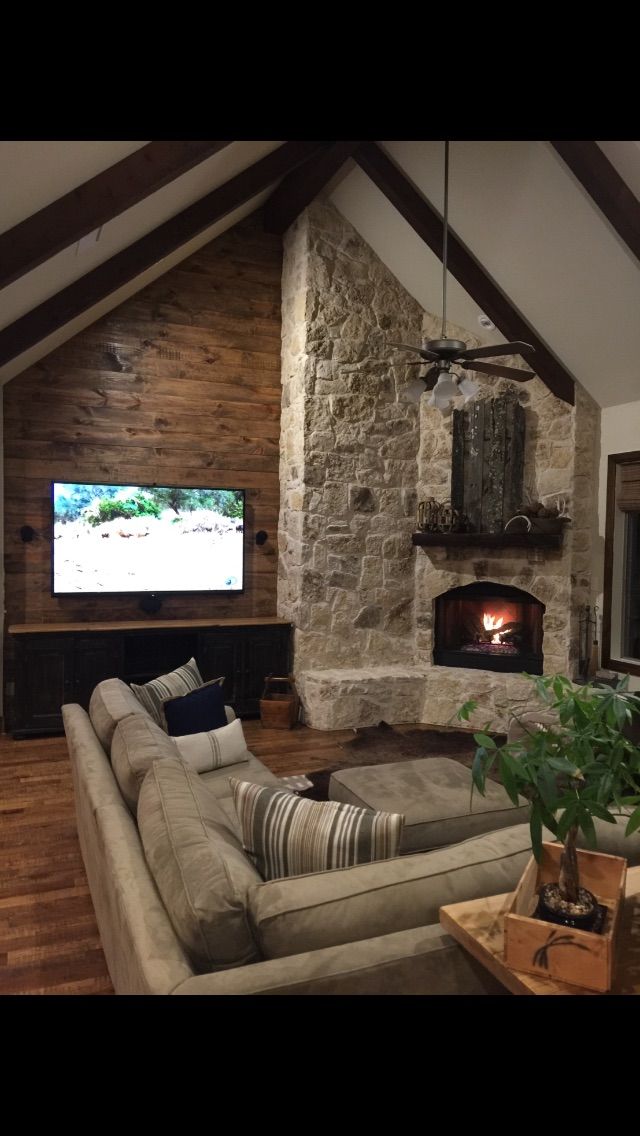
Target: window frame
[[625, 666]]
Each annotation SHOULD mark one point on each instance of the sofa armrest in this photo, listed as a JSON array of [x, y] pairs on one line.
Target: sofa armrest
[[424, 960], [230, 713]]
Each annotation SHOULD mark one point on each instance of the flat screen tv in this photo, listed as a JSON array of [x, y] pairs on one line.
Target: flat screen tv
[[146, 539]]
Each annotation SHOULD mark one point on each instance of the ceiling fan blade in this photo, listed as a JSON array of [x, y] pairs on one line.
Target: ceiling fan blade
[[517, 373], [431, 377], [429, 355], [523, 349]]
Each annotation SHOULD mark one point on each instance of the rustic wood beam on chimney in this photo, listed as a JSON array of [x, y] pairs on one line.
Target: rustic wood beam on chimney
[[97, 201], [427, 223], [604, 185], [299, 188], [143, 254]]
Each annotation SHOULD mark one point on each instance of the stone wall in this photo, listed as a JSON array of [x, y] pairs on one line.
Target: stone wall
[[349, 450], [355, 460]]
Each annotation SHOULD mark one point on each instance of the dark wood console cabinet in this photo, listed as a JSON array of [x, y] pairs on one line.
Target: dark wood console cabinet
[[57, 663]]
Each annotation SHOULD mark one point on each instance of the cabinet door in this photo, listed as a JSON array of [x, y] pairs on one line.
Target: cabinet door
[[219, 654], [96, 657], [44, 681]]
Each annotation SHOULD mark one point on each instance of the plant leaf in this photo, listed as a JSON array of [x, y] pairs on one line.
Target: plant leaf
[[508, 780], [478, 773], [484, 740], [466, 709], [599, 811], [633, 823], [587, 826]]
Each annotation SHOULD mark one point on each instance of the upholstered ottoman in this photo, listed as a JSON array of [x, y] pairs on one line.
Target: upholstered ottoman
[[433, 793]]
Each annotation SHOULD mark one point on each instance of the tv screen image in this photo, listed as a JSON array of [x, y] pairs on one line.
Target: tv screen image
[[142, 538]]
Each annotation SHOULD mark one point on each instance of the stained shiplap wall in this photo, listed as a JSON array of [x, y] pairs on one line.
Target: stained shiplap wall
[[179, 385]]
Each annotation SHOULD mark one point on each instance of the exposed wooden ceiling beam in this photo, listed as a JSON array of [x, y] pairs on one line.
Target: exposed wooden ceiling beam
[[603, 183], [300, 187], [427, 223], [138, 257], [97, 201]]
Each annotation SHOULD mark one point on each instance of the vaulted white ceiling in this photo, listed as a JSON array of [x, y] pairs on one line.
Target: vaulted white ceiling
[[536, 232], [514, 204]]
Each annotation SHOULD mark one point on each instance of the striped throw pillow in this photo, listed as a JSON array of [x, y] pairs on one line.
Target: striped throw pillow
[[154, 693], [286, 835]]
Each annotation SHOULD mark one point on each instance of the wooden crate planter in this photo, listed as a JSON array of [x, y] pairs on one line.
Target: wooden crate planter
[[279, 704], [581, 958]]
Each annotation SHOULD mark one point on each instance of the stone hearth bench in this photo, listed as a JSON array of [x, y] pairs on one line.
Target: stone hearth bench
[[341, 698]]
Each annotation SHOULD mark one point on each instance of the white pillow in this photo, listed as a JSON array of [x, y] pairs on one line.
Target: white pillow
[[212, 750]]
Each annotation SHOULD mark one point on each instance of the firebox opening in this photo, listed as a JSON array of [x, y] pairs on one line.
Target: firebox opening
[[492, 627]]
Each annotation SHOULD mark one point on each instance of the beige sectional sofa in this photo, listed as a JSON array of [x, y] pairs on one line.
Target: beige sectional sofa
[[182, 910]]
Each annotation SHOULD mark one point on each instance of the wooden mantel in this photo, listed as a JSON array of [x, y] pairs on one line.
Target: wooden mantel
[[550, 540]]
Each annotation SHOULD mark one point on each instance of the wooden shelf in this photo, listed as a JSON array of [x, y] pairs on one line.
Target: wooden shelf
[[145, 625], [488, 540]]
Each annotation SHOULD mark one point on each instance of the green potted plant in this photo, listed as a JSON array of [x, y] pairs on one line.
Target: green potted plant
[[584, 767]]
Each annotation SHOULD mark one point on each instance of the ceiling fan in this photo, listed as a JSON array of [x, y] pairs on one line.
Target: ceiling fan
[[443, 353]]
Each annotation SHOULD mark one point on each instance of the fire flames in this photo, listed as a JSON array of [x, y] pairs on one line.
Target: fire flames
[[491, 623]]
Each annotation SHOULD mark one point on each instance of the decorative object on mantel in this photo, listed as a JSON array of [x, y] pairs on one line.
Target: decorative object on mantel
[[542, 518], [444, 353], [487, 462], [575, 766], [439, 517]]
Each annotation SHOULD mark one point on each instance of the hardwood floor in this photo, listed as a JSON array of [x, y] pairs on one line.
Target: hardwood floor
[[49, 942]]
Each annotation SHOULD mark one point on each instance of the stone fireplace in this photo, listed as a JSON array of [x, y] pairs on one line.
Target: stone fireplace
[[492, 627], [374, 634]]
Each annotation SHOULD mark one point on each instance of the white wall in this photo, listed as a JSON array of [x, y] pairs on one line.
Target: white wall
[[620, 433]]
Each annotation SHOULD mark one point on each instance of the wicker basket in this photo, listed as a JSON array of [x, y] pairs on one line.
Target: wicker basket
[[279, 703]]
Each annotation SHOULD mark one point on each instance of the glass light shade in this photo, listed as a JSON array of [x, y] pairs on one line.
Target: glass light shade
[[468, 387], [439, 400], [414, 390], [445, 386]]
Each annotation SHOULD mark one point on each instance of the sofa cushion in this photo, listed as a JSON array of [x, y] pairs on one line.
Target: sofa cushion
[[198, 865], [306, 913], [218, 781], [213, 749], [137, 743], [197, 711], [151, 695], [111, 701], [286, 835]]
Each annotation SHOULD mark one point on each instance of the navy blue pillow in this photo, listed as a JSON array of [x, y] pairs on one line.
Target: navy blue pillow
[[197, 712]]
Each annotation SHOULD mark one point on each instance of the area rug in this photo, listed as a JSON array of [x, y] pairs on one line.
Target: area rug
[[382, 744]]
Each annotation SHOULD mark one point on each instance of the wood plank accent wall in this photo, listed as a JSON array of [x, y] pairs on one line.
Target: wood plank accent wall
[[180, 385]]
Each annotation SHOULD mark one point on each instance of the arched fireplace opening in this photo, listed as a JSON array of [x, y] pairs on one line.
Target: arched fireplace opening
[[492, 627]]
